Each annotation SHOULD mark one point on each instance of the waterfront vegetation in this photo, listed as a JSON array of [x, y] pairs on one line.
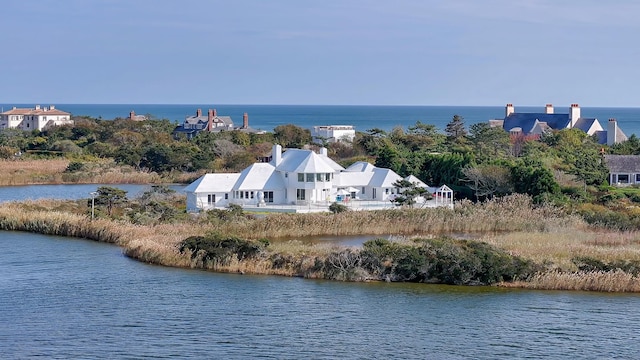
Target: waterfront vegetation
[[511, 242], [533, 213]]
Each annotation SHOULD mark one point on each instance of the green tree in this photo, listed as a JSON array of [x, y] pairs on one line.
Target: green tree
[[532, 177], [291, 136], [489, 143], [408, 193], [109, 197], [455, 129]]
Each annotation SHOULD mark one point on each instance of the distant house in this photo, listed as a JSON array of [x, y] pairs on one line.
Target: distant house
[[624, 170], [38, 118], [294, 177], [333, 133], [212, 122], [537, 123], [134, 117]]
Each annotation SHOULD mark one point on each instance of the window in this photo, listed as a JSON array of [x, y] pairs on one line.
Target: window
[[252, 194], [362, 190], [327, 177], [301, 194], [318, 177], [386, 191], [268, 196], [246, 194], [241, 194], [211, 199], [623, 178], [301, 177], [286, 175], [637, 178], [310, 177], [226, 196]]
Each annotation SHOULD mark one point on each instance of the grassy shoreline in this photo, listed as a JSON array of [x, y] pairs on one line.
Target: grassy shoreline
[[542, 235]]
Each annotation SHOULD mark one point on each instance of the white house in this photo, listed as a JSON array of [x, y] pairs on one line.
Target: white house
[[294, 177], [333, 133], [37, 118]]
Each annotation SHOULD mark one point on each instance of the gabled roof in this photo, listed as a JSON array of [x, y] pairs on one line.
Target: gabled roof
[[527, 121], [259, 176], [383, 178], [588, 125], [360, 166], [414, 180], [222, 182], [353, 178], [306, 161], [623, 163]]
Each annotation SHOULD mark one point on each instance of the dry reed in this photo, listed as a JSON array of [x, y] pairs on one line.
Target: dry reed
[[539, 233]]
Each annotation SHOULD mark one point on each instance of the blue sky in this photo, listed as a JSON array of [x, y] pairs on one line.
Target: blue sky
[[403, 52]]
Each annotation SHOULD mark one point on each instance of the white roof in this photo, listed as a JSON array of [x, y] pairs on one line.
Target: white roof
[[384, 178], [414, 180], [306, 161], [360, 166], [345, 179], [259, 176], [221, 182]]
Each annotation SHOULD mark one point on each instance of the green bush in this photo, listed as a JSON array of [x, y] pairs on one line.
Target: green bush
[[337, 208], [220, 249], [443, 260]]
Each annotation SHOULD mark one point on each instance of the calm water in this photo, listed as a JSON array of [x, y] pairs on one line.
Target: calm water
[[363, 117], [69, 192], [66, 298]]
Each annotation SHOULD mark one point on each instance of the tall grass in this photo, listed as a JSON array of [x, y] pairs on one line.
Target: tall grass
[[542, 234]]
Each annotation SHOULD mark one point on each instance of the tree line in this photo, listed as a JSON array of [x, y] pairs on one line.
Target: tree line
[[477, 162]]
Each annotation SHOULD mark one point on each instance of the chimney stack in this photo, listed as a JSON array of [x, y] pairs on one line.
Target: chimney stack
[[132, 115], [276, 155], [198, 112], [509, 109], [52, 107], [37, 107], [574, 115], [245, 121], [215, 112], [210, 120], [548, 109], [612, 132]]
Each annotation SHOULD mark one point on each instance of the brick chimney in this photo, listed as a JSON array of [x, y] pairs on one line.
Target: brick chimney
[[574, 115], [210, 120], [548, 109], [132, 115], [509, 109], [215, 112], [198, 112], [245, 121]]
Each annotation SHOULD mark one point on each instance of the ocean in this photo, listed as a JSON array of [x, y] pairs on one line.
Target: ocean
[[362, 117]]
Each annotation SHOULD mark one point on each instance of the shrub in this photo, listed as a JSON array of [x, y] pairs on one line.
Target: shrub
[[220, 249], [443, 260], [74, 166], [337, 208]]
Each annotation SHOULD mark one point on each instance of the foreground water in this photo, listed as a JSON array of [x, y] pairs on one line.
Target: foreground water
[[67, 298]]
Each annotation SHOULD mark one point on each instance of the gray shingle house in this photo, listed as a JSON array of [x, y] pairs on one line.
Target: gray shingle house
[[624, 170]]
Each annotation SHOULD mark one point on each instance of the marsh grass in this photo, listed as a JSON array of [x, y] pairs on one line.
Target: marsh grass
[[538, 233], [53, 171]]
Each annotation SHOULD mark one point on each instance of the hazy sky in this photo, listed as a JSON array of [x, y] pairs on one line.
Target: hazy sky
[[413, 52]]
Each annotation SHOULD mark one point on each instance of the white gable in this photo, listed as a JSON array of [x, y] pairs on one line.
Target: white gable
[[414, 180], [221, 182], [304, 161], [259, 176], [384, 178], [360, 166], [346, 179]]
